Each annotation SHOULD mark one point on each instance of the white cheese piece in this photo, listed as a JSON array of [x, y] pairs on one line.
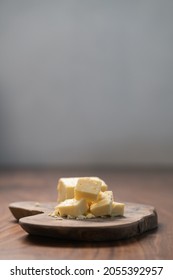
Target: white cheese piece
[[103, 206], [117, 209], [104, 187], [71, 207], [87, 188], [65, 188], [85, 198], [105, 194]]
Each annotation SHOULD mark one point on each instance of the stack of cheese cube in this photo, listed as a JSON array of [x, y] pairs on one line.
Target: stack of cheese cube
[[86, 197]]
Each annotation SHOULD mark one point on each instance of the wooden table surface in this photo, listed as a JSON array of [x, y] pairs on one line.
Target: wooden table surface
[[154, 187]]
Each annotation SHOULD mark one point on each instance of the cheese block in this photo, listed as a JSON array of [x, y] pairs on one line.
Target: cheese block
[[105, 194], [86, 197], [71, 207], [87, 188], [104, 186], [117, 209], [65, 188], [103, 206]]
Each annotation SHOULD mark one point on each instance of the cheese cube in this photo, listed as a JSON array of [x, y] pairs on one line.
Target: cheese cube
[[87, 188], [71, 207], [104, 187], [105, 194], [66, 188], [117, 209], [103, 206]]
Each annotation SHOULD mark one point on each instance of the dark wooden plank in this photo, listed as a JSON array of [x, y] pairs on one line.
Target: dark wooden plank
[[34, 218]]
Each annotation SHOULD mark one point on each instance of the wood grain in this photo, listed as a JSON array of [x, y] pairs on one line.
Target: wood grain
[[153, 187], [34, 218]]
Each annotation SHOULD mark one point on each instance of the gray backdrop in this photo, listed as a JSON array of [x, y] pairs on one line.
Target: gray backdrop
[[86, 82]]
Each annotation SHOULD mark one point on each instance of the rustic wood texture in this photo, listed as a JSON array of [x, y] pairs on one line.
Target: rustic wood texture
[[34, 218], [152, 187]]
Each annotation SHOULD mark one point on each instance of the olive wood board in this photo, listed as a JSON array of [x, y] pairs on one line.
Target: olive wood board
[[34, 218]]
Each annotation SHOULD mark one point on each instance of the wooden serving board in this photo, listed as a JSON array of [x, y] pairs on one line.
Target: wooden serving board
[[34, 218]]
